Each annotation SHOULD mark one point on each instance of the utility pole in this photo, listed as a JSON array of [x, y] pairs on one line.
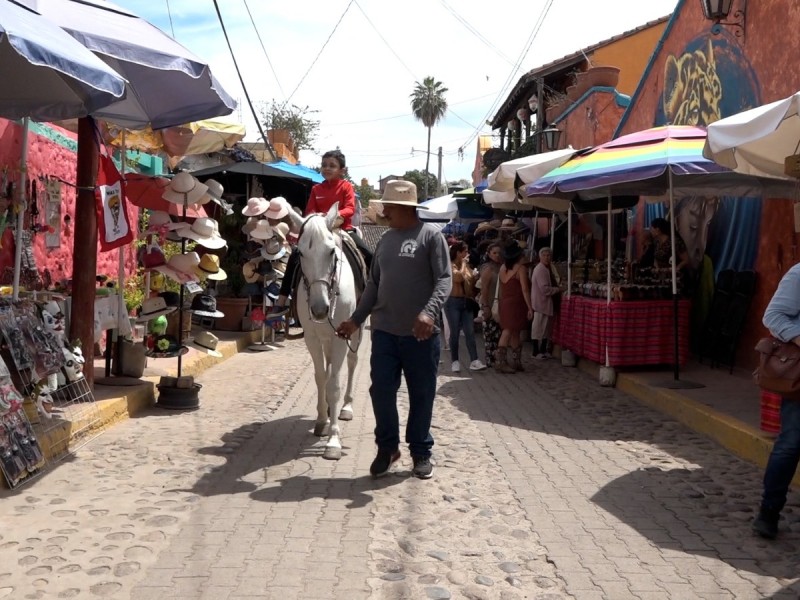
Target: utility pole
[[439, 174]]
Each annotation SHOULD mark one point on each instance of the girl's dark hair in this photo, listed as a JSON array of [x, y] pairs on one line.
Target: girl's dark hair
[[661, 224], [455, 248], [337, 154], [511, 254]]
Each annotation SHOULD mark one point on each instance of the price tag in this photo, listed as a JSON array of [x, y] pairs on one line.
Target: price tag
[[193, 288]]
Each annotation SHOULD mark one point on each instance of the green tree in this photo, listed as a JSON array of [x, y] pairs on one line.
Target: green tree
[[423, 180], [298, 121], [428, 105], [365, 193]]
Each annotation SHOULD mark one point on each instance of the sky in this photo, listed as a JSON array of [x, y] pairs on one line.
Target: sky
[[355, 63]]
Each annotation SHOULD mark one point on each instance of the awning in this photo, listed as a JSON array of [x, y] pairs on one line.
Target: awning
[[298, 171], [259, 168]]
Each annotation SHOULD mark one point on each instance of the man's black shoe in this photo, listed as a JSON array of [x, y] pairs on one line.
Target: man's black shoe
[[383, 462], [766, 524], [423, 468]]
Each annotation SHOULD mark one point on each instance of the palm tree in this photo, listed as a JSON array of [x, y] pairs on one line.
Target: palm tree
[[428, 105]]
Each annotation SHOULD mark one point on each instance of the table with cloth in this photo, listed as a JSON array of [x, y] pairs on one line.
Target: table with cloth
[[635, 332]]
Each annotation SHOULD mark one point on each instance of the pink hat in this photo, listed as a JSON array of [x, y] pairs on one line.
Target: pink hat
[[181, 267], [278, 208], [255, 207]]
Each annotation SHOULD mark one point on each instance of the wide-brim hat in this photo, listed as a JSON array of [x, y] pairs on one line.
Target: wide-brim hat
[[181, 267], [151, 256], [255, 207], [207, 342], [152, 308], [281, 231], [204, 231], [205, 305], [214, 192], [158, 222], [273, 250], [209, 265], [251, 250], [250, 271], [278, 208], [184, 187], [400, 192], [508, 225], [486, 226], [167, 346], [249, 225], [262, 230], [171, 298]]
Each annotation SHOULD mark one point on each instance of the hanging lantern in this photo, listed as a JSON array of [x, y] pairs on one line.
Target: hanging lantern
[[513, 125], [524, 115], [533, 102]]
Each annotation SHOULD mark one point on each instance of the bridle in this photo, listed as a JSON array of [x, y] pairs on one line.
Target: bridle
[[330, 282]]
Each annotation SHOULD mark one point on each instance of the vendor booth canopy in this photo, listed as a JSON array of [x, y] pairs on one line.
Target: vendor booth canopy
[[47, 74], [168, 84], [276, 169], [443, 208], [757, 141]]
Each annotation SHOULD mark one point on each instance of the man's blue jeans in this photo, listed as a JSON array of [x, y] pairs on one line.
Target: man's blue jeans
[[460, 317], [784, 458], [419, 362]]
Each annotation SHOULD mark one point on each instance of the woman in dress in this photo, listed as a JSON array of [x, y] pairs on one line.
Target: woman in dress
[[457, 309], [490, 270], [516, 310]]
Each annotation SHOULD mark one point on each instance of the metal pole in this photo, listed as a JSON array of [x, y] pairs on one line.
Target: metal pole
[[675, 368], [122, 312], [439, 175], [21, 206], [180, 301], [569, 250]]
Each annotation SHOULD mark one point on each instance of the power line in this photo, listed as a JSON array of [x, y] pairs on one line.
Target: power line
[[264, 49], [171, 26], [316, 58], [514, 70], [397, 56], [241, 79], [475, 32]]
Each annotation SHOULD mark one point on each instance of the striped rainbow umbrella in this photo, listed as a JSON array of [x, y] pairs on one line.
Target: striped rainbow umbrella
[[649, 163]]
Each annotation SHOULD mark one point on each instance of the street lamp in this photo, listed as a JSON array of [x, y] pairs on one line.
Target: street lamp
[[718, 10], [551, 137]]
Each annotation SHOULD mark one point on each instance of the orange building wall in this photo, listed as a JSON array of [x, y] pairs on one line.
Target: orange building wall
[[631, 55], [592, 121]]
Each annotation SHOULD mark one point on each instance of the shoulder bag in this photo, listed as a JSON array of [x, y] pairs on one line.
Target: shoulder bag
[[778, 368], [496, 301]]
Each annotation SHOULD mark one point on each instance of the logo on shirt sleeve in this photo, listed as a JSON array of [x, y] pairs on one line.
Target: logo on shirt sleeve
[[408, 248]]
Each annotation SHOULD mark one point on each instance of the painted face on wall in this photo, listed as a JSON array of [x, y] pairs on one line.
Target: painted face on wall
[[694, 215]]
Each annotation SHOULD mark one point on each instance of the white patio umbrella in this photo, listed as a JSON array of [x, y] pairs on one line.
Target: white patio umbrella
[[443, 208], [757, 141]]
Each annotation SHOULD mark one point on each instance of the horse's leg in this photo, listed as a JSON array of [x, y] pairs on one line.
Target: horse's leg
[[315, 348], [333, 449], [346, 414]]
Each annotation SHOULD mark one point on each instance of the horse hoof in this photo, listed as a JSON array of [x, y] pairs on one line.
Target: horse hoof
[[319, 429], [346, 414], [332, 453]]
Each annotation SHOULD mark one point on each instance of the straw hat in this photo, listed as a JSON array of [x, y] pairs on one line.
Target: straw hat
[[214, 192], [251, 223], [204, 231], [255, 207], [486, 226], [273, 249], [209, 264], [278, 208], [159, 221], [250, 271], [262, 230], [400, 192], [152, 308], [207, 342], [181, 267], [184, 187], [508, 224]]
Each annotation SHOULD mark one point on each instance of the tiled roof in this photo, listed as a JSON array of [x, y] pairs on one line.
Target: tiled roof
[[372, 233]]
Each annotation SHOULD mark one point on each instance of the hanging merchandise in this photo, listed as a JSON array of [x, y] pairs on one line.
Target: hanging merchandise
[[52, 238], [113, 222]]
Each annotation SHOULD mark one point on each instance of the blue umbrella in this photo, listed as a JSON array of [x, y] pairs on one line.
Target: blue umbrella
[[48, 75]]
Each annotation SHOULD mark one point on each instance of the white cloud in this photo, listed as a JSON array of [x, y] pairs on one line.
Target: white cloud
[[358, 80]]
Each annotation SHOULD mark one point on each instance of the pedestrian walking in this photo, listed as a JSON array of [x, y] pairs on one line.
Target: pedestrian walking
[[488, 280], [782, 318], [515, 308], [408, 284]]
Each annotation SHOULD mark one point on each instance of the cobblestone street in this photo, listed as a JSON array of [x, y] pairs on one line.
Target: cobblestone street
[[547, 486]]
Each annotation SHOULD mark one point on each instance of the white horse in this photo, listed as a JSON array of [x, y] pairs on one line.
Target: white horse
[[326, 296]]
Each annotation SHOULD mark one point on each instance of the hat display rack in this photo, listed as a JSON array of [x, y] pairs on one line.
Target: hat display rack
[[266, 265]]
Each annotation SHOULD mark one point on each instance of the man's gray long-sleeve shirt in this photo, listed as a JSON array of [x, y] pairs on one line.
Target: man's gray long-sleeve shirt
[[410, 274]]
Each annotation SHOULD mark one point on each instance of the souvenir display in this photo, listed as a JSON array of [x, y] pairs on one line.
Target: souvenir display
[[20, 452]]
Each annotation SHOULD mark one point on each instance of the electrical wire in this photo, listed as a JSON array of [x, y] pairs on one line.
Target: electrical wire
[[528, 43], [316, 58], [171, 26], [241, 79], [397, 56], [475, 32], [258, 35]]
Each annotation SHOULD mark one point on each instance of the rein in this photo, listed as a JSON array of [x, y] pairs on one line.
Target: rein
[[330, 282]]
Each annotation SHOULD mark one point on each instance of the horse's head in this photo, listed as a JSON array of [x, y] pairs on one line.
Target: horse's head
[[320, 262]]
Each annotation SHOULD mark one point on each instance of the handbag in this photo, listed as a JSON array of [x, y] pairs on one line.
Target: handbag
[[778, 368], [496, 301]]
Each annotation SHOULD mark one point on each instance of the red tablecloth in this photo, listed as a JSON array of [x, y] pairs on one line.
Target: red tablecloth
[[638, 332]]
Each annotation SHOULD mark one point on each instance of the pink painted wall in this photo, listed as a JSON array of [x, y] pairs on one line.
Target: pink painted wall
[[48, 158]]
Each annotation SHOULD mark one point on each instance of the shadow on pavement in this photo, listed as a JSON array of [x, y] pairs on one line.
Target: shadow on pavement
[[301, 487]]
